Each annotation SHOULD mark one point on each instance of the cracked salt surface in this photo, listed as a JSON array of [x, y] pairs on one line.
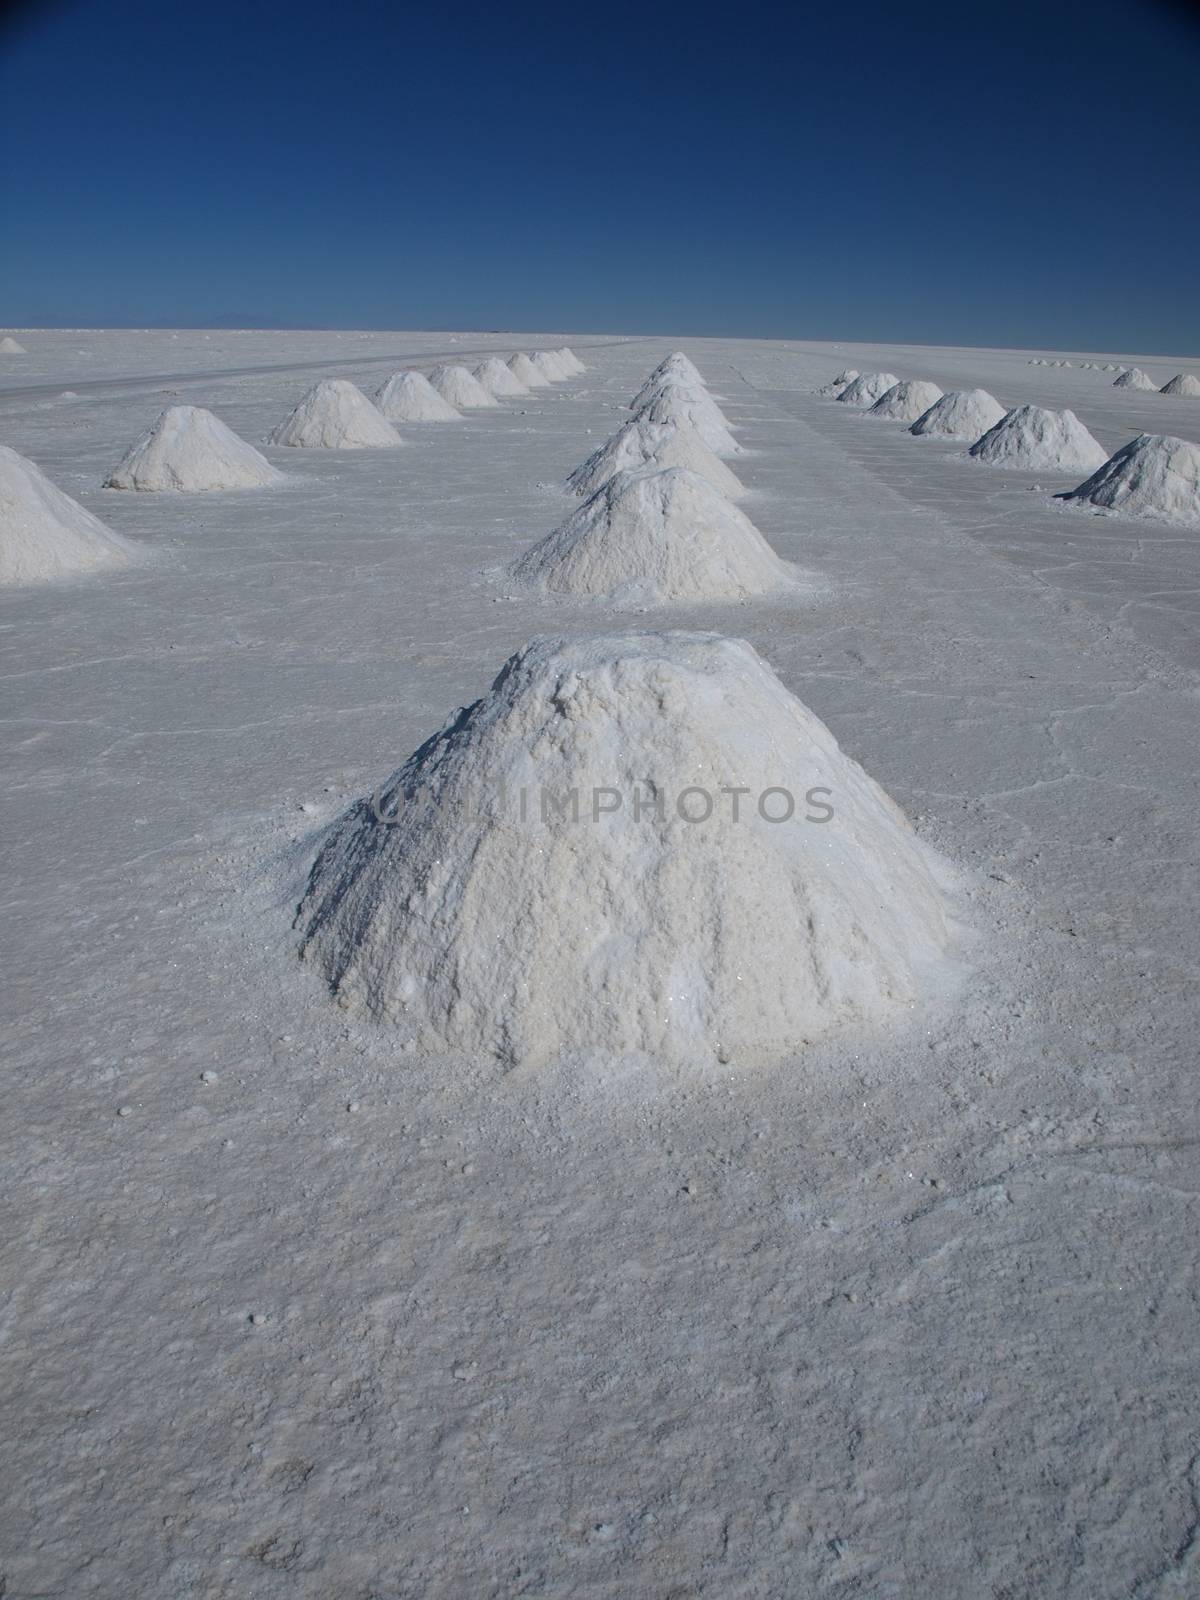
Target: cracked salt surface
[[718, 1339]]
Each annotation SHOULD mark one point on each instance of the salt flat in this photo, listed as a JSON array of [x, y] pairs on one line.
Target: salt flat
[[913, 1314]]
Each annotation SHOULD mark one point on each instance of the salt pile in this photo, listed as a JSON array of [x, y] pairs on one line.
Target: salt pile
[[190, 449], [45, 534], [835, 385], [410, 397], [867, 388], [677, 365], [530, 376], [10, 347], [1155, 475], [473, 924], [1181, 383], [656, 537], [549, 366], [334, 415], [686, 408], [1111, 366], [905, 402], [570, 361], [1134, 378], [461, 388], [497, 379], [1036, 440], [653, 444], [962, 414]]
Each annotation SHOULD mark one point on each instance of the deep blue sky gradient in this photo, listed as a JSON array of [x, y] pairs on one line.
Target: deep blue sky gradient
[[1018, 174]]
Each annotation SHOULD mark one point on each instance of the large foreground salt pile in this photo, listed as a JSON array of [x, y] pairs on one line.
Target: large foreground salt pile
[[461, 388], [410, 397], [494, 914], [834, 387], [905, 402], [653, 444], [1182, 383], [10, 347], [524, 369], [867, 388], [961, 414], [686, 407], [1036, 440], [1134, 378], [497, 379], [45, 534], [653, 538], [1155, 475], [334, 415], [189, 449]]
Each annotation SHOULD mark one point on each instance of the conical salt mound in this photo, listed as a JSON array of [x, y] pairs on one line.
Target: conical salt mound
[[653, 444], [527, 884], [655, 538], [549, 365], [1182, 383], [1155, 475], [1134, 378], [867, 388], [905, 402], [677, 365], [10, 347], [497, 379], [686, 408], [570, 361], [334, 415], [189, 449], [523, 367], [1035, 440], [683, 377], [410, 397], [461, 388], [962, 414], [834, 387], [45, 534]]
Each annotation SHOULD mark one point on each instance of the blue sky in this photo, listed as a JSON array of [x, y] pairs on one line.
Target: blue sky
[[1024, 176]]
